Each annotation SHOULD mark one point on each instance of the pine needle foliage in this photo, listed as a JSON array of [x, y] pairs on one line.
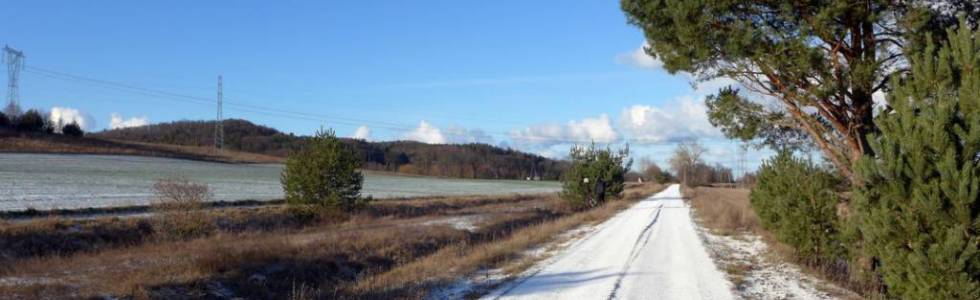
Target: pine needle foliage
[[324, 173], [796, 200], [592, 166], [918, 209]]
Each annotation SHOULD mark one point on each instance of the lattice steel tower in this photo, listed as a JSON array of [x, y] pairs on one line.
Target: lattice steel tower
[[15, 63], [219, 126], [742, 149]]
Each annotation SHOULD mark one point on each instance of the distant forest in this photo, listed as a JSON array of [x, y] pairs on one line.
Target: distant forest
[[462, 161]]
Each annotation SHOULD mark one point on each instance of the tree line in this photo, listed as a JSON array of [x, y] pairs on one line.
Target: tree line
[[449, 160], [13, 120]]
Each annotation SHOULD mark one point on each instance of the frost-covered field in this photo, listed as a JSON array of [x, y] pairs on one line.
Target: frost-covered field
[[47, 181]]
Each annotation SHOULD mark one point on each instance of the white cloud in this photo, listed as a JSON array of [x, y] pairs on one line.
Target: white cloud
[[426, 133], [65, 115], [639, 58], [362, 133], [597, 129], [116, 121], [460, 135], [685, 118]]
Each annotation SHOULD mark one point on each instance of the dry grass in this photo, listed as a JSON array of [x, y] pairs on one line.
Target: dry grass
[[38, 143], [447, 265], [179, 205], [724, 210], [396, 247], [62, 236], [728, 211]]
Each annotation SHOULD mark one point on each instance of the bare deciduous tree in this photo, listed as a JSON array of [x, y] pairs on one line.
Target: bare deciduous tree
[[686, 156]]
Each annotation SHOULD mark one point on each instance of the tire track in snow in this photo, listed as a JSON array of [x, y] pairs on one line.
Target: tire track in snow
[[649, 251], [634, 253]]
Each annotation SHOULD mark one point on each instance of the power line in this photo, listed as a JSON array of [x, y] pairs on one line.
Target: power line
[[48, 72], [270, 111], [201, 100]]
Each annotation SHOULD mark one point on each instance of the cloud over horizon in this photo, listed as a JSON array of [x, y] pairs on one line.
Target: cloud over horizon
[[426, 133], [117, 122], [65, 115], [597, 129], [682, 119], [460, 135], [362, 133]]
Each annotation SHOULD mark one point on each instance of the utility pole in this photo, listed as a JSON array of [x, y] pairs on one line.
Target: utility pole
[[742, 149], [219, 127], [15, 63]]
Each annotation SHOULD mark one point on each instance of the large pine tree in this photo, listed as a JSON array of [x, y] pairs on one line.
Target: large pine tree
[[822, 61], [918, 208]]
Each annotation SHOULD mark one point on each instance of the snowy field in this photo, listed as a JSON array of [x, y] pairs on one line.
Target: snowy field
[[48, 181]]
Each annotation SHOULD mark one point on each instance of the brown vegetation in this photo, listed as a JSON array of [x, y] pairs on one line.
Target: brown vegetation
[[179, 204], [452, 263], [728, 211], [394, 248], [48, 143], [724, 210], [471, 160]]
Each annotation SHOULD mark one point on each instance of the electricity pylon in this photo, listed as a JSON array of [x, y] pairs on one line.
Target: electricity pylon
[[219, 127], [15, 63]]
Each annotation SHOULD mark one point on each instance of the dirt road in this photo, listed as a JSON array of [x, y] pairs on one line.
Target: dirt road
[[649, 251]]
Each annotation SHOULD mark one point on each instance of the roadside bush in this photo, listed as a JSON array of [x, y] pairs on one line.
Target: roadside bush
[[72, 129], [30, 121], [918, 209], [4, 120], [179, 202], [796, 200], [324, 173], [595, 175]]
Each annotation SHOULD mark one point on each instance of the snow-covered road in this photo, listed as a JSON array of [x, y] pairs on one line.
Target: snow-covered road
[[649, 251]]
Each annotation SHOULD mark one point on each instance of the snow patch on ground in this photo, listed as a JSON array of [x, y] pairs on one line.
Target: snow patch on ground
[[759, 275], [19, 281], [484, 281], [467, 223]]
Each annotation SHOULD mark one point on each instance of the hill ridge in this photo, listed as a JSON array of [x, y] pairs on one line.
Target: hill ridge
[[472, 160]]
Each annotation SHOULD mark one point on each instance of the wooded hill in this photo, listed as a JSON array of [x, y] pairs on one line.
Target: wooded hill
[[462, 160]]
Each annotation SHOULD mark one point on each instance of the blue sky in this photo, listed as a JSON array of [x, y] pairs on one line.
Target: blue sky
[[533, 75]]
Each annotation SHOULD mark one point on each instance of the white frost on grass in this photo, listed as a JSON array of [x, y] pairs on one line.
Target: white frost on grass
[[22, 281], [759, 275], [467, 223]]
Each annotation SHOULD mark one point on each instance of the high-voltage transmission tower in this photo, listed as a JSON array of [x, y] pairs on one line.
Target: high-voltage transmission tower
[[219, 127], [15, 63], [742, 149]]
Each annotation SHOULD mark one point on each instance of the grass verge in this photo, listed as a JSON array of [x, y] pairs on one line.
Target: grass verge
[[728, 211], [394, 249], [448, 265]]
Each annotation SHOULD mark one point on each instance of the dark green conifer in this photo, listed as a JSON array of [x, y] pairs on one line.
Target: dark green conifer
[[918, 209]]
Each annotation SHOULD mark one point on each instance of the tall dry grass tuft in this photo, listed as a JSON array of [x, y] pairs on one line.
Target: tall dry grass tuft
[[179, 202], [724, 210]]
